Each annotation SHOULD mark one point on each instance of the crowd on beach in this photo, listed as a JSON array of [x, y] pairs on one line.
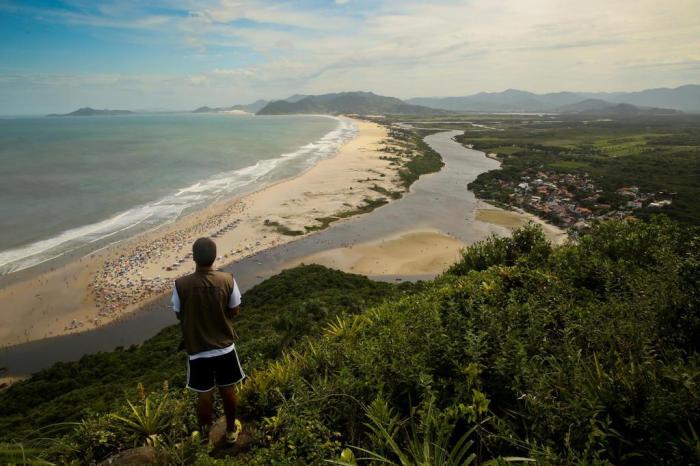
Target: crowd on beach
[[121, 281], [149, 267]]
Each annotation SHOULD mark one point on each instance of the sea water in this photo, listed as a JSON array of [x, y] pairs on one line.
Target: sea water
[[72, 184]]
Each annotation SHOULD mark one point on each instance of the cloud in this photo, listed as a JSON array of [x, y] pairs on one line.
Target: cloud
[[404, 48]]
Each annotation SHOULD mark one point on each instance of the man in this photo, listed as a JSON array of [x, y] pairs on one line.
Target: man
[[205, 302]]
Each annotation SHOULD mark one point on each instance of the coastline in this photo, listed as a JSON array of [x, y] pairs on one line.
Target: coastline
[[108, 284], [437, 202]]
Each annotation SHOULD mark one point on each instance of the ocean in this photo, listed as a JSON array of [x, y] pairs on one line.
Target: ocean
[[75, 184]]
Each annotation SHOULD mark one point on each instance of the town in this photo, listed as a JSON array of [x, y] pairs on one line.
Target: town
[[574, 201]]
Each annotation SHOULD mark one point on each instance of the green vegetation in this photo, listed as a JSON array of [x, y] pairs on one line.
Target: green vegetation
[[426, 161], [323, 223], [282, 229], [585, 353], [367, 206], [386, 192]]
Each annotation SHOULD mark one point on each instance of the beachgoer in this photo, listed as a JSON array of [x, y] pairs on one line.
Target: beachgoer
[[205, 302]]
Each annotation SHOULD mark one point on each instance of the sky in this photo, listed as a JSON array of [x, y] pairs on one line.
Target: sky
[[56, 56]]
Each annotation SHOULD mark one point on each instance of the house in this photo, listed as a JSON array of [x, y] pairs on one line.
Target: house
[[626, 192]]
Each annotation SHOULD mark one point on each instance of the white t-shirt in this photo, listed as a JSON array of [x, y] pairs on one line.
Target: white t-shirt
[[233, 301]]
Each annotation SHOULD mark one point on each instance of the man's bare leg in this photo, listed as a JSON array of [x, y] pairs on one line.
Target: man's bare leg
[[230, 400], [205, 410]]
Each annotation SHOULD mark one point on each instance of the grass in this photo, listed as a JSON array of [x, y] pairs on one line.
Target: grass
[[324, 222], [368, 206], [282, 229], [386, 192]]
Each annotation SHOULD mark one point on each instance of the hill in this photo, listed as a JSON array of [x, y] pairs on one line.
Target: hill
[[585, 353], [603, 108], [296, 97], [87, 111], [684, 98], [248, 108], [366, 103]]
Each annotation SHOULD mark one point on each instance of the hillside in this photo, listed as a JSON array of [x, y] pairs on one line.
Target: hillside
[[87, 111], [581, 354], [248, 108], [684, 98], [604, 108], [366, 103]]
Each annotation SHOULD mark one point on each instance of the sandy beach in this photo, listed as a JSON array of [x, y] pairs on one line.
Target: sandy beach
[[418, 252], [110, 283], [512, 220]]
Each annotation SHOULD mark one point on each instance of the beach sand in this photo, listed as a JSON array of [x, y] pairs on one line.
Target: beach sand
[[512, 220], [110, 283], [418, 252]]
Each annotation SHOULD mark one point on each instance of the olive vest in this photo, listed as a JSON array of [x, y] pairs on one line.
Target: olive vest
[[204, 297]]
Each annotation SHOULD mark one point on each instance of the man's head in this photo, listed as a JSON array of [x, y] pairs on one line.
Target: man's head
[[204, 252]]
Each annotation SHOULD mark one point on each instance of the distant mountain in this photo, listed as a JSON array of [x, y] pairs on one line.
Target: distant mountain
[[296, 97], [600, 107], [511, 100], [365, 103], [249, 108], [684, 98], [588, 105], [87, 111]]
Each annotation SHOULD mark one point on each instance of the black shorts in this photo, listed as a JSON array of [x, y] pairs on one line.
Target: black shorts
[[203, 374]]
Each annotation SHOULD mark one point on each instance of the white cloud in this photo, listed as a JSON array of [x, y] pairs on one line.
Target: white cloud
[[412, 48]]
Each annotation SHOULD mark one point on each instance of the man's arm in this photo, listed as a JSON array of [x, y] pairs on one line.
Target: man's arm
[[175, 301], [232, 312], [234, 302]]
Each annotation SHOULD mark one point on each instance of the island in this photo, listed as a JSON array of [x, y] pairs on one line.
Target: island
[[87, 111]]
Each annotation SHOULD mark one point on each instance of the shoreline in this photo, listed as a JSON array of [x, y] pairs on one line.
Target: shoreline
[[109, 284], [84, 251], [436, 202]]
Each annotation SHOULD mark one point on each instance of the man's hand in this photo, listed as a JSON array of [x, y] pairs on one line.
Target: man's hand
[[233, 312]]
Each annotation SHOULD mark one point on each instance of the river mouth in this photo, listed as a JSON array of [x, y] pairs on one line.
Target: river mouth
[[438, 201]]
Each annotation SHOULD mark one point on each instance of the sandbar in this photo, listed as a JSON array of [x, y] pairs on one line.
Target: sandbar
[[417, 252]]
